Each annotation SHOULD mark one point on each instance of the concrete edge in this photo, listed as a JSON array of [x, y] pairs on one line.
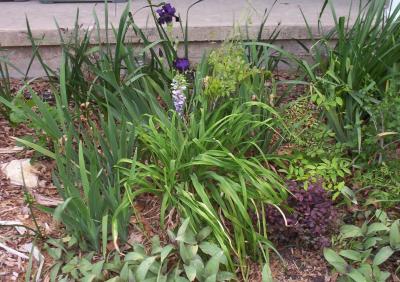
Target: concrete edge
[[19, 38]]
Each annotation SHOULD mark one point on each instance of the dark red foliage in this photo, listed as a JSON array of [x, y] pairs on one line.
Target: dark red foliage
[[310, 214]]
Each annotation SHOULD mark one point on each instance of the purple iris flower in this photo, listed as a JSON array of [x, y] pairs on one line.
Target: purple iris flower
[[182, 64], [166, 14]]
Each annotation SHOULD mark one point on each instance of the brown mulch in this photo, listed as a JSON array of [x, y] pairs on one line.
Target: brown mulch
[[14, 208], [301, 266]]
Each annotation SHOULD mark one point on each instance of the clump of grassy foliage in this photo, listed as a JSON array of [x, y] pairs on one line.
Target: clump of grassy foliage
[[353, 74]]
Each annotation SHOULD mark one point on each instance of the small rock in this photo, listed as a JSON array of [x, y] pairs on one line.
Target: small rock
[[20, 172]]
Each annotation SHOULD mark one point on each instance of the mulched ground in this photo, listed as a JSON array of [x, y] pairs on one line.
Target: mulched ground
[[13, 207]]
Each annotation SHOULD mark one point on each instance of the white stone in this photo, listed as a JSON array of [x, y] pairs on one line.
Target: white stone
[[20, 173]]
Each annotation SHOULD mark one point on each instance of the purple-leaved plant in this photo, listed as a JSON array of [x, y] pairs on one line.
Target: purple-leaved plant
[[310, 215]]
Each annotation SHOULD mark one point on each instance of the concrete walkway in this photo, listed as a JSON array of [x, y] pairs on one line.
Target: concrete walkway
[[216, 17], [210, 20]]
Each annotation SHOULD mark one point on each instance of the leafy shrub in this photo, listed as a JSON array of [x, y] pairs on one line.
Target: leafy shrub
[[367, 248], [188, 257], [229, 70], [330, 172], [309, 217]]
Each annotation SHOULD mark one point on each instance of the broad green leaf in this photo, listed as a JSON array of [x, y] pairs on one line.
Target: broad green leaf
[[394, 236], [211, 278], [350, 231], [134, 256], [187, 252], [371, 242], [335, 260], [356, 276], [203, 234], [382, 255], [365, 269], [184, 234], [376, 227], [212, 266], [55, 253], [144, 267], [209, 248], [190, 272], [165, 252], [351, 254], [225, 276], [155, 245], [381, 215]]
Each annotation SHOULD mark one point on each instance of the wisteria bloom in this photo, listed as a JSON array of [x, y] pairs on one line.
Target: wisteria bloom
[[182, 64], [166, 14], [179, 85]]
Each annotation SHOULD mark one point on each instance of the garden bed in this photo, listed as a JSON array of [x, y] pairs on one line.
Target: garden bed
[[136, 165]]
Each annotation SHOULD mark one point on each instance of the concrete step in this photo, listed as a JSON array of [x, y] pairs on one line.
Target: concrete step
[[210, 21]]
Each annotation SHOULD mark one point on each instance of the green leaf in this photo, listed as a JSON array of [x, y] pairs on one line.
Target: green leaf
[[394, 235], [382, 255], [155, 245], [184, 234], [335, 260], [212, 266], [104, 233], [203, 234], [370, 242], [58, 212], [380, 276], [97, 269], [54, 271], [165, 252], [350, 231], [376, 227], [339, 101], [225, 276], [365, 269], [266, 273], [356, 276], [55, 253], [144, 267], [211, 278], [124, 274], [351, 254], [83, 172], [381, 215], [37, 148], [190, 272], [134, 256], [209, 248], [187, 252]]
